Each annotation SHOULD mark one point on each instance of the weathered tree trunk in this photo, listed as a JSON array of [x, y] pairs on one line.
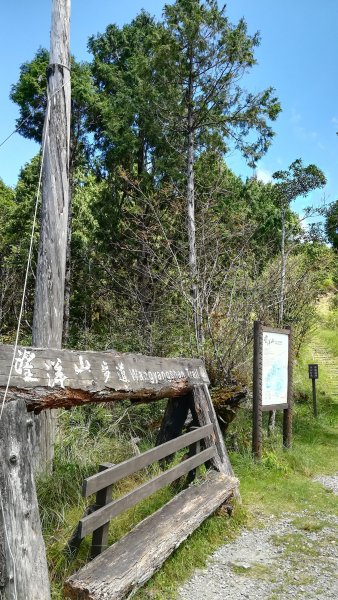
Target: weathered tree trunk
[[272, 413], [68, 276], [51, 378], [191, 216], [49, 293], [282, 273], [23, 567]]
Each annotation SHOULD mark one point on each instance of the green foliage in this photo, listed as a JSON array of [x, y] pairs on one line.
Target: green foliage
[[129, 246], [298, 180], [331, 225], [30, 94], [16, 230], [202, 49], [122, 114]]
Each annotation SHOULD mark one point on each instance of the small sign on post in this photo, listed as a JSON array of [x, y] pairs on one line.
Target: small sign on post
[[313, 374], [272, 380], [313, 371]]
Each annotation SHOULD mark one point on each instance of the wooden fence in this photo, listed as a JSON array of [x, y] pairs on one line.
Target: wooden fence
[[117, 572], [43, 379]]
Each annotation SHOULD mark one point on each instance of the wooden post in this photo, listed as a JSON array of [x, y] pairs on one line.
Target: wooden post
[[100, 535], [194, 449], [203, 414], [257, 392], [23, 567], [174, 417], [287, 415], [50, 276]]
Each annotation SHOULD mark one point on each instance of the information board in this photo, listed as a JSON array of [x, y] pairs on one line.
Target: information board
[[272, 380], [275, 354]]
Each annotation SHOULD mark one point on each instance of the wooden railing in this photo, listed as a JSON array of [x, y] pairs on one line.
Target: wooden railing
[[101, 483]]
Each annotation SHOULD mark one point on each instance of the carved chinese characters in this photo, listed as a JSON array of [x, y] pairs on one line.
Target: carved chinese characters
[[62, 369]]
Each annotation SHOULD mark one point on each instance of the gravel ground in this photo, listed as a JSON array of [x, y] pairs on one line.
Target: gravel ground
[[330, 482], [293, 557]]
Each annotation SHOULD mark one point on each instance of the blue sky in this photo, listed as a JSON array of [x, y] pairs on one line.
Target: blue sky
[[298, 56]]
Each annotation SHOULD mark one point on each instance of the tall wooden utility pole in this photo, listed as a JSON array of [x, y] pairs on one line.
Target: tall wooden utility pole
[[23, 440], [50, 278]]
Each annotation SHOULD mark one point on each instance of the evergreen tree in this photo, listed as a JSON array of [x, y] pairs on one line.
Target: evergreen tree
[[331, 224], [201, 60], [296, 181]]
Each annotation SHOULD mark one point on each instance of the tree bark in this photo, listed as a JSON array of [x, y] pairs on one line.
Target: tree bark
[[68, 275], [23, 567], [51, 378], [272, 413], [283, 273], [191, 216], [50, 278]]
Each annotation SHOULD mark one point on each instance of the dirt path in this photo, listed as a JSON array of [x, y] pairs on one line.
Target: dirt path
[[293, 557]]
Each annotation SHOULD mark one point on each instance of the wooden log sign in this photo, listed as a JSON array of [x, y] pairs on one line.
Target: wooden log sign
[[50, 378]]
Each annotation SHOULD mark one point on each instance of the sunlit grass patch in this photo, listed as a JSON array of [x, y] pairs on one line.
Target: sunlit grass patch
[[296, 543], [256, 571], [310, 524]]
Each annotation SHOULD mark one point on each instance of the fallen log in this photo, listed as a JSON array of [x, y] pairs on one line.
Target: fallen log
[[50, 378]]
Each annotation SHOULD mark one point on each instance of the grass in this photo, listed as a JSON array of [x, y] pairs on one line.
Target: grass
[[255, 570], [282, 482], [310, 525], [296, 543]]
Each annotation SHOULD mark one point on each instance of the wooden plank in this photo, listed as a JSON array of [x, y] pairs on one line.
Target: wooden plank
[[23, 564], [270, 407], [103, 515], [128, 467], [50, 378], [100, 535], [130, 562], [204, 413], [275, 330], [194, 449]]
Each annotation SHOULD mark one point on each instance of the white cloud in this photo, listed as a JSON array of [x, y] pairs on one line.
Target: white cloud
[[263, 175]]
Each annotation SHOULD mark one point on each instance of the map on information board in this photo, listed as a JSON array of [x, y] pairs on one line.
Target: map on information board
[[275, 368]]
